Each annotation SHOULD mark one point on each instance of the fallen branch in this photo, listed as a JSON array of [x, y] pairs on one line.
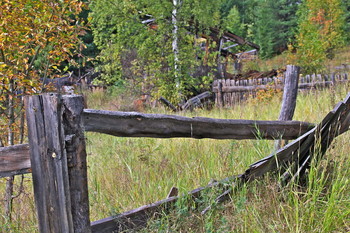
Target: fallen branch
[[167, 104], [196, 101]]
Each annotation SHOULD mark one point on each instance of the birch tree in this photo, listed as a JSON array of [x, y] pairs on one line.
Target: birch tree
[[152, 43]]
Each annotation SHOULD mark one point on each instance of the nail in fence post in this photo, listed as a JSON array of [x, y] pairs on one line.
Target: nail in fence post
[[58, 160]]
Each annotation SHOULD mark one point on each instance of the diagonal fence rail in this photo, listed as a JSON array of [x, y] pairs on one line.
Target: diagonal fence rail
[[291, 161], [58, 159]]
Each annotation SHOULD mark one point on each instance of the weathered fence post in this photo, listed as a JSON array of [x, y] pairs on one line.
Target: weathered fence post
[[58, 160], [220, 95], [290, 93]]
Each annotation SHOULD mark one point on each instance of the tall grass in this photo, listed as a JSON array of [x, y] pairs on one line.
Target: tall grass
[[125, 173]]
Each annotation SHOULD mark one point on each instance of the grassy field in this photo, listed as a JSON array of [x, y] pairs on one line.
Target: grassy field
[[125, 173]]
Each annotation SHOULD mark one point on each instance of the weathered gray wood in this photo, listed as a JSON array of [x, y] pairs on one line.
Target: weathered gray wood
[[73, 106], [14, 160], [167, 103], [298, 150], [277, 87], [196, 101], [220, 95], [49, 163], [290, 93], [137, 218], [57, 153], [132, 124], [315, 85], [289, 99], [246, 88]]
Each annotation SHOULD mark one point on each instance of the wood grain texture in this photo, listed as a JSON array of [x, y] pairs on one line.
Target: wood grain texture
[[132, 124], [14, 160], [290, 93], [49, 163], [73, 106]]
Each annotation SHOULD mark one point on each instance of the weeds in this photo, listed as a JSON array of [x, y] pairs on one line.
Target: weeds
[[126, 173]]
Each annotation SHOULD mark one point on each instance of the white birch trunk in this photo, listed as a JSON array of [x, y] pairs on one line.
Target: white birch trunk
[[175, 44]]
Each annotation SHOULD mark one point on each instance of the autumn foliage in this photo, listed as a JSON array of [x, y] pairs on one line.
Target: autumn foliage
[[320, 32], [35, 37]]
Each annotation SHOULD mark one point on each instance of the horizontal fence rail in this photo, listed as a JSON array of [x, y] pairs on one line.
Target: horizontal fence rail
[[133, 124], [59, 158], [15, 160]]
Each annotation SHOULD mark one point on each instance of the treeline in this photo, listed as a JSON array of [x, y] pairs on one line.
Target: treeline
[[156, 43]]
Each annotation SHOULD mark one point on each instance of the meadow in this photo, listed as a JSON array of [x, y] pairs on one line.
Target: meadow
[[125, 173]]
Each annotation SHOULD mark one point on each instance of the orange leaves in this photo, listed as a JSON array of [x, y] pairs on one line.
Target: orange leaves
[[27, 24], [320, 32], [34, 36]]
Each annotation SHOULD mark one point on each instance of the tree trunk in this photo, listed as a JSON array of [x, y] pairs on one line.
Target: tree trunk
[[10, 141], [175, 44]]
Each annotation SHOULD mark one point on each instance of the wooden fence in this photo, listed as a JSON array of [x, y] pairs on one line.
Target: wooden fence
[[57, 154], [229, 92]]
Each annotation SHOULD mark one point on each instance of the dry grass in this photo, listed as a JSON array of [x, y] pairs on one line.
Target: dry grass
[[125, 173]]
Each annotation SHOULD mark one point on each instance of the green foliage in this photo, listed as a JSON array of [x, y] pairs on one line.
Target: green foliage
[[320, 32], [267, 23], [143, 53], [233, 22], [346, 10]]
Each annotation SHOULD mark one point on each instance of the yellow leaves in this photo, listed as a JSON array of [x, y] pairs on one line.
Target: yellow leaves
[[26, 24]]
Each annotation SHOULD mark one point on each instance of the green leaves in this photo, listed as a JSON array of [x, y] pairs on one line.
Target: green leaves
[[320, 32], [136, 41]]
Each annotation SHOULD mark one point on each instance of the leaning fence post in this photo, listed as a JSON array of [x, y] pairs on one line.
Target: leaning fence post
[[290, 93], [58, 160]]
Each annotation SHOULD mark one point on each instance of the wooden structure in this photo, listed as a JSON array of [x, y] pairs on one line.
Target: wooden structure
[[58, 157], [229, 92]]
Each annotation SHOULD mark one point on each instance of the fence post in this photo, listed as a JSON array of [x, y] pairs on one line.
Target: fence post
[[220, 95], [58, 160], [290, 93]]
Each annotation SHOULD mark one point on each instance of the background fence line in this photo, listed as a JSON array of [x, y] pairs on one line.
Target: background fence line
[[231, 92]]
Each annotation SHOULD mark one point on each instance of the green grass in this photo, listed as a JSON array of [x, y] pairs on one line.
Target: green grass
[[125, 173]]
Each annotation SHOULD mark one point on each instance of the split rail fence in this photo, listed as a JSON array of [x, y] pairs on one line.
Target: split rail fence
[[229, 92], [56, 154]]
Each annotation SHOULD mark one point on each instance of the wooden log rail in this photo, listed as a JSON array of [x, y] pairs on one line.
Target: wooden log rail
[[15, 160], [133, 124]]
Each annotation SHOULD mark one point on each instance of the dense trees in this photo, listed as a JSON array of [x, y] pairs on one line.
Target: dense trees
[[152, 42], [270, 24], [321, 25]]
